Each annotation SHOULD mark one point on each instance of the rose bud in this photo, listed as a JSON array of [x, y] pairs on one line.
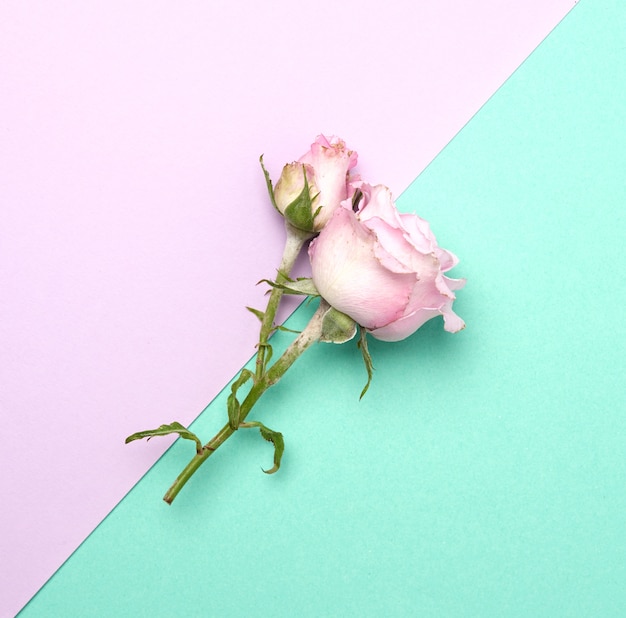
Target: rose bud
[[312, 188], [384, 269]]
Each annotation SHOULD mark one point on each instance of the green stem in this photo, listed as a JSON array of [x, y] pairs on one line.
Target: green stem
[[311, 333], [293, 245]]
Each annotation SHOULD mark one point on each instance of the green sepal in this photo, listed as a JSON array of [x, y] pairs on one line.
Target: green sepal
[[300, 212], [232, 403], [268, 182], [259, 314], [303, 286], [367, 359], [269, 351], [337, 327], [317, 212], [165, 430], [275, 437]]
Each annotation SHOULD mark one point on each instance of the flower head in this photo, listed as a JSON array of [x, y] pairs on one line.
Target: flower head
[[384, 269], [311, 189]]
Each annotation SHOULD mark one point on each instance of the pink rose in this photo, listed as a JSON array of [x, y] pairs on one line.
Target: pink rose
[[384, 269], [324, 171]]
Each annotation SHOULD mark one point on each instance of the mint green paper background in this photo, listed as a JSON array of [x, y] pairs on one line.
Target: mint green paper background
[[484, 473]]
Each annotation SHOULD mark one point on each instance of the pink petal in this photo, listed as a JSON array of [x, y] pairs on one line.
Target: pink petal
[[451, 321], [447, 259], [378, 202], [391, 248], [419, 233], [350, 277], [455, 284], [402, 328], [331, 161], [426, 295]]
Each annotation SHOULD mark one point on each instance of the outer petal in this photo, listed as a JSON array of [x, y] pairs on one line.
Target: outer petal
[[331, 161], [349, 276], [391, 248], [396, 251], [402, 328], [447, 258], [378, 202], [451, 321], [427, 294], [322, 145], [454, 284]]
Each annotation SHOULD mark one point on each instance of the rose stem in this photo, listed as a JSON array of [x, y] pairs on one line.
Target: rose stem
[[308, 336], [293, 245]]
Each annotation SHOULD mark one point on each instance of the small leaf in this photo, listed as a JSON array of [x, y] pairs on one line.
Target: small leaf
[[275, 437], [259, 314], [232, 403], [268, 182], [303, 286], [233, 408], [284, 329], [165, 430], [367, 359]]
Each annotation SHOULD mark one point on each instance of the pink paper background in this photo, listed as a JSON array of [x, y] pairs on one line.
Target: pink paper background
[[134, 221]]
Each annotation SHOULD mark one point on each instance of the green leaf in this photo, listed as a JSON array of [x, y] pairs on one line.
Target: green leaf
[[337, 327], [232, 403], [165, 430], [284, 329], [275, 437], [268, 182], [259, 314], [303, 286], [234, 409], [367, 359]]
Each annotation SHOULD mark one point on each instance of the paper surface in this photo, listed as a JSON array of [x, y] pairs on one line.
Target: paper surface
[[132, 202], [483, 473]]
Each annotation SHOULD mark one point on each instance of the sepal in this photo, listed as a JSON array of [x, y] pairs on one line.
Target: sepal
[[268, 182], [337, 327], [300, 212]]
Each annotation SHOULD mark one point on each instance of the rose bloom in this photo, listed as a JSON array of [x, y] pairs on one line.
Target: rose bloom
[[384, 269], [326, 165]]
